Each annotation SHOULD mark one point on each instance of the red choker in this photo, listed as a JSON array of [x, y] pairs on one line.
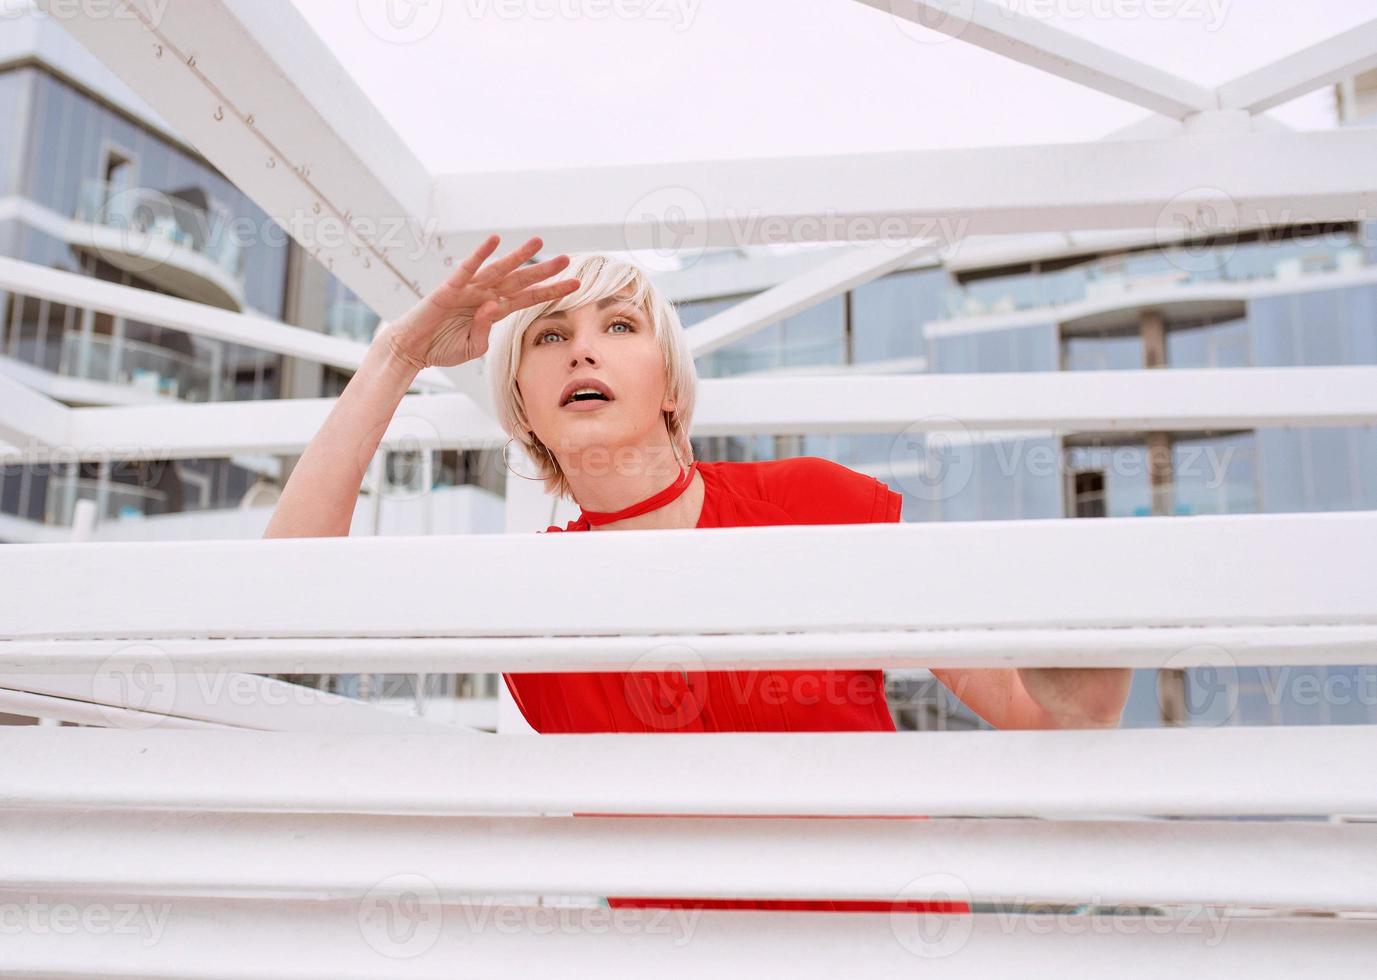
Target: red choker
[[666, 495]]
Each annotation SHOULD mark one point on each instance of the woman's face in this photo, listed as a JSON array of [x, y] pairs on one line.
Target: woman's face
[[609, 342]]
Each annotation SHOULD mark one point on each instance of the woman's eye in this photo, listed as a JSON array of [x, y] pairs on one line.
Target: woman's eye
[[549, 333], [621, 323]]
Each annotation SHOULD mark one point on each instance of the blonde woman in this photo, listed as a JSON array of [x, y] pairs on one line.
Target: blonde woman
[[593, 375]]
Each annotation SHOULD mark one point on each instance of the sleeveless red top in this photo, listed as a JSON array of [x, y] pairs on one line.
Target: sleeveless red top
[[800, 490]]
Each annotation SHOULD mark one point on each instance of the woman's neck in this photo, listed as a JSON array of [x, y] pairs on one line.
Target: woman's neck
[[684, 511]]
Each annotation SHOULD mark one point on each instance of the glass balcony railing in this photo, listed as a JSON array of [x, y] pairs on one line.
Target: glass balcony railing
[[138, 364], [1152, 270], [145, 211], [120, 500]]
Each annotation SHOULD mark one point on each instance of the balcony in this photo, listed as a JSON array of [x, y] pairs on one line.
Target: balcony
[[188, 250], [143, 366], [1128, 276]]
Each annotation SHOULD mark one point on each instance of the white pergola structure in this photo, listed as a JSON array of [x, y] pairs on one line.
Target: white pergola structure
[[365, 849]]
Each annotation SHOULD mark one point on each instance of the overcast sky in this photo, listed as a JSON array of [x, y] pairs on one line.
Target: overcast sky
[[496, 84]]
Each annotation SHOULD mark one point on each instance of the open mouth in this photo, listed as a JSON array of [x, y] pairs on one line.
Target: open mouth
[[585, 391]]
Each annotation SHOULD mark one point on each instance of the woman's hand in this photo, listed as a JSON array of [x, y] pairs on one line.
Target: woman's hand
[[451, 324]]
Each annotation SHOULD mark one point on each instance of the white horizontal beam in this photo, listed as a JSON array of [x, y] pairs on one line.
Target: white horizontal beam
[[1001, 29], [857, 265], [1212, 862], [1299, 771], [409, 936], [1242, 179], [1181, 399], [1331, 60], [1225, 648], [1125, 401], [1206, 571], [28, 417], [198, 319], [281, 426]]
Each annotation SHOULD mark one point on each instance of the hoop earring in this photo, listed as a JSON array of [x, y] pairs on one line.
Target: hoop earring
[[508, 465]]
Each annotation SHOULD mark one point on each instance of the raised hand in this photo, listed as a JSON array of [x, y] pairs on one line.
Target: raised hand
[[451, 325]]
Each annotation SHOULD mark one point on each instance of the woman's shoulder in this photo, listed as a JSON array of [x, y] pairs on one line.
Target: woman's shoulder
[[812, 488]]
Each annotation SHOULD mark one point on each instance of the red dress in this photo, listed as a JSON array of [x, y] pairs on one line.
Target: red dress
[[800, 490]]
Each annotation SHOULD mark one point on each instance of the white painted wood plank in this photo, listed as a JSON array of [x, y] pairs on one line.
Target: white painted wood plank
[[1301, 771], [408, 935], [947, 194], [1181, 399], [1205, 571], [1223, 648], [1272, 864]]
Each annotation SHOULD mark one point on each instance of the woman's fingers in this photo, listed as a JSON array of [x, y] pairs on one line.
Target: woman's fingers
[[498, 270], [469, 267], [528, 274], [540, 294]]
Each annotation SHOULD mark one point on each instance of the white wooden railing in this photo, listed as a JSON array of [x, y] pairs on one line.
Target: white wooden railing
[[349, 850]]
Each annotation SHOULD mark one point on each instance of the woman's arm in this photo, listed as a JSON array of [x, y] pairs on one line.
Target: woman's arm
[[449, 326], [320, 495], [1041, 697]]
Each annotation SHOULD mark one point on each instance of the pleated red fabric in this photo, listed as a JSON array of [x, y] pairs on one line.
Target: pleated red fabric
[[800, 490]]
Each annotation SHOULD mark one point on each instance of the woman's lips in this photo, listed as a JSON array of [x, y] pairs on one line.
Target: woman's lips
[[586, 405]]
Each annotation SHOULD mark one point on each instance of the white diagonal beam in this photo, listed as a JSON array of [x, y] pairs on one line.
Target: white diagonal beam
[[1207, 571], [1004, 31], [855, 266], [1331, 60], [199, 319], [1306, 770], [1249, 178], [223, 698], [29, 418], [256, 90]]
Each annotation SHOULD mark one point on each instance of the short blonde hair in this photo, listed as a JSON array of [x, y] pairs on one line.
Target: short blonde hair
[[599, 276]]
